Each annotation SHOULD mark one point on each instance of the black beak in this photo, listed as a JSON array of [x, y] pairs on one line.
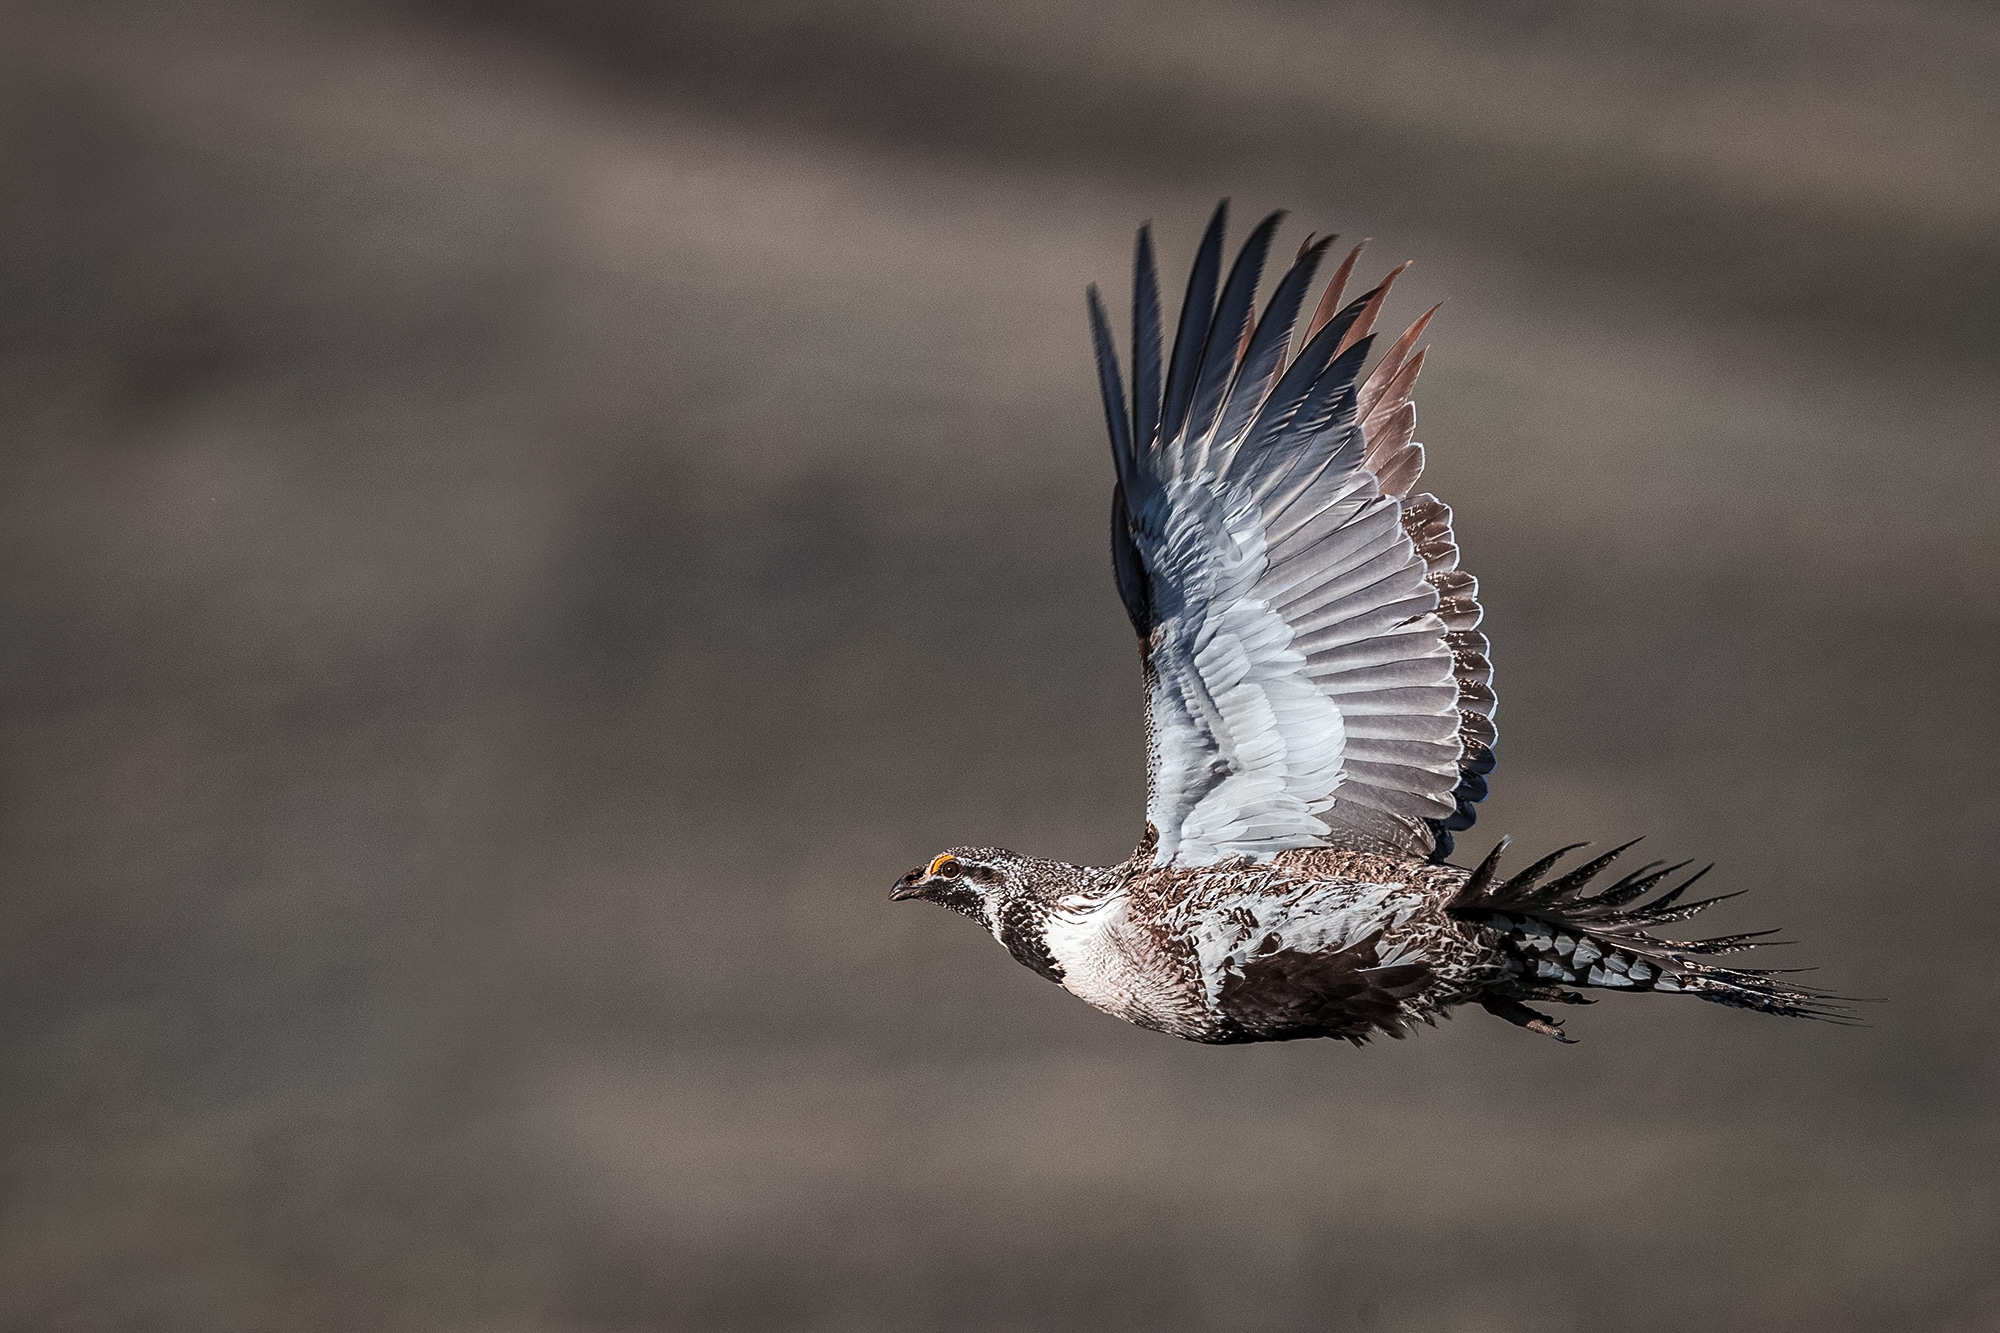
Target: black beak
[[905, 888]]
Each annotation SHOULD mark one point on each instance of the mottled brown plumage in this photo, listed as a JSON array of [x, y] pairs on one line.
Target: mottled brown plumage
[[1319, 715]]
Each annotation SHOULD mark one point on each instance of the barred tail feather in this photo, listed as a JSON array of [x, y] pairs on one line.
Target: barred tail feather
[[1559, 934]]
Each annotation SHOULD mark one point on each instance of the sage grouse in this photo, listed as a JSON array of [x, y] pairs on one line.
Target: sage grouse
[[1319, 714]]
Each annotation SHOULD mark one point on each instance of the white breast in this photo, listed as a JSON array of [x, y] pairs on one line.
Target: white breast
[[1111, 964]]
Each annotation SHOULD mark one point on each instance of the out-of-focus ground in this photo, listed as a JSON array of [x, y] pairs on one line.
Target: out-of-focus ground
[[520, 520]]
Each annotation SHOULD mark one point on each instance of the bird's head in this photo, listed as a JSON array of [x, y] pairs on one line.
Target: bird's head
[[965, 879], [1013, 896], [978, 881]]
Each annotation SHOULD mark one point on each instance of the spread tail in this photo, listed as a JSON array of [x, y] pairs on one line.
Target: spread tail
[[1560, 935]]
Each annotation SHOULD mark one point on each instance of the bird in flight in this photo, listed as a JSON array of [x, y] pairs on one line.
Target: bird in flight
[[1319, 714]]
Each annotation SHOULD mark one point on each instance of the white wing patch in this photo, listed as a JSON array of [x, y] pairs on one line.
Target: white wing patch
[[1248, 749], [1313, 672]]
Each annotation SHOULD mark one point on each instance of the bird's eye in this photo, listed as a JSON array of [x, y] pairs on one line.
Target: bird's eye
[[951, 870]]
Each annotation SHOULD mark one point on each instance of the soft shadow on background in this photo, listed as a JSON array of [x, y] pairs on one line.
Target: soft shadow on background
[[521, 519]]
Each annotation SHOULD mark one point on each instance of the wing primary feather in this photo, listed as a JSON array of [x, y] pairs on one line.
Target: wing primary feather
[[1335, 384], [1111, 384], [1129, 567], [1391, 364], [1266, 352], [1328, 409], [1145, 345], [1227, 334], [1329, 304], [1365, 323], [1296, 387], [1192, 334]]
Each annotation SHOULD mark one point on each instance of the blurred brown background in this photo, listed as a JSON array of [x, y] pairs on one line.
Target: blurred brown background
[[521, 519]]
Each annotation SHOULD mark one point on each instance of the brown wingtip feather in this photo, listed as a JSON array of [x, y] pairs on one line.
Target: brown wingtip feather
[[1387, 415], [1392, 362], [1396, 460], [1364, 323], [1329, 304], [1384, 396]]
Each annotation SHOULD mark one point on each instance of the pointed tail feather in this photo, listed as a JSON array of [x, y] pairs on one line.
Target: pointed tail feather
[[1559, 933]]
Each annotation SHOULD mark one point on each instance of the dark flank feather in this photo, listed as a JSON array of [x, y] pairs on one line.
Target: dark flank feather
[[1287, 994]]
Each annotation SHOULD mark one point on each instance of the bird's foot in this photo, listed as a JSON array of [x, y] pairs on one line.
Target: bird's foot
[[1520, 1015]]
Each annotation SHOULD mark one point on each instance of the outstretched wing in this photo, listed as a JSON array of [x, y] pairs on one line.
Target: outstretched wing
[[1314, 671]]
